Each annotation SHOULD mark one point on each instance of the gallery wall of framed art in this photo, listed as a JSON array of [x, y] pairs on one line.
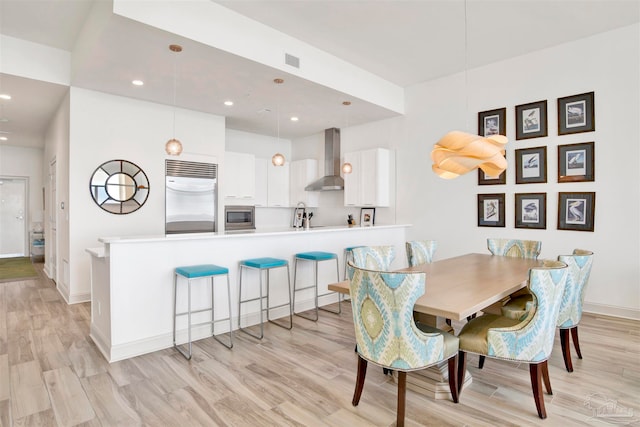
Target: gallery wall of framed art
[[528, 160]]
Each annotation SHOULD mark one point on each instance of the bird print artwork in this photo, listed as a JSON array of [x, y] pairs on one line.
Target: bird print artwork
[[575, 211]]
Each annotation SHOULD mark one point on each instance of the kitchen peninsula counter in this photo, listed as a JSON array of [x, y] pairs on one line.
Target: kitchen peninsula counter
[[132, 279]]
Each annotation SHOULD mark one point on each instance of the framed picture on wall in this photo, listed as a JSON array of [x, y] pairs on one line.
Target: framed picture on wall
[[576, 211], [531, 210], [491, 210], [576, 114], [367, 216], [484, 179], [492, 122], [531, 120], [531, 165], [576, 162]]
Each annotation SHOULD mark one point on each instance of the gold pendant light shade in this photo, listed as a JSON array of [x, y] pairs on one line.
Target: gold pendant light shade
[[458, 153], [173, 147], [278, 159]]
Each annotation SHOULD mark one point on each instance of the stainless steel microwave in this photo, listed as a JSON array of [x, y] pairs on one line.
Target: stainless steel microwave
[[239, 218]]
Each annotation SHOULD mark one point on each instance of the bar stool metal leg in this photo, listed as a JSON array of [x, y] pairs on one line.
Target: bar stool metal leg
[[217, 338], [339, 310], [241, 301], [269, 308]]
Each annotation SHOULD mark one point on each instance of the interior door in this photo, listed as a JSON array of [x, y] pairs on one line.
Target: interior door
[[52, 238], [13, 221]]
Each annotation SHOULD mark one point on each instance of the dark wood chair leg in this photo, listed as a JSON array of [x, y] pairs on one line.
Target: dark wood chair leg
[[462, 369], [481, 362], [362, 372], [453, 377], [545, 377], [535, 372], [402, 395], [566, 350], [576, 343]]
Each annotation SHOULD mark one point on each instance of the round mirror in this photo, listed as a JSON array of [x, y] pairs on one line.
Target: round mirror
[[119, 187]]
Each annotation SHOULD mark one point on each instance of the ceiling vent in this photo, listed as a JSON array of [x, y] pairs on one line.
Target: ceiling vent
[[294, 61]]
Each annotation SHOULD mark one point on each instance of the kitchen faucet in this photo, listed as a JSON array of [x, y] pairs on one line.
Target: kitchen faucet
[[297, 217]]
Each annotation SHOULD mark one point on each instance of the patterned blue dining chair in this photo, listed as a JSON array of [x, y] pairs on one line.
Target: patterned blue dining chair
[[514, 248], [579, 263], [420, 251], [386, 334], [524, 341], [372, 258]]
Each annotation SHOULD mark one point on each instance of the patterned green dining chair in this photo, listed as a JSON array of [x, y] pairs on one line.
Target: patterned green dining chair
[[386, 334], [420, 251], [579, 263], [528, 249], [524, 341]]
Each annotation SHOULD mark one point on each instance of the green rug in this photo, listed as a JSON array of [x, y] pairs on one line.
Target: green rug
[[18, 268]]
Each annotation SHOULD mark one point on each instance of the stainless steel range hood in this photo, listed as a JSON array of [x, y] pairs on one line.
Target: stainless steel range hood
[[332, 180]]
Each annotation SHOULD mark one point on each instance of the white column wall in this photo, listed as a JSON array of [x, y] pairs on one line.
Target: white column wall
[[106, 127]]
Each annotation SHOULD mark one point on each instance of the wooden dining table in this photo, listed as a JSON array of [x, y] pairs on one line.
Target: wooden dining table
[[456, 288]]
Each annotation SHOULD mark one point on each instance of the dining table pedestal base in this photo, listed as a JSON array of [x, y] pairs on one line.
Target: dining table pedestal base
[[432, 382]]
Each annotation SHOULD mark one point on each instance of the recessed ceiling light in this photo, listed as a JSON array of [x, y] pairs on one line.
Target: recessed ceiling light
[[228, 103], [3, 138], [294, 119], [137, 82], [5, 96]]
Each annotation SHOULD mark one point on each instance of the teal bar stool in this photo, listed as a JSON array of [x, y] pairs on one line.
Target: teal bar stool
[[190, 273], [314, 257], [348, 256], [264, 265]]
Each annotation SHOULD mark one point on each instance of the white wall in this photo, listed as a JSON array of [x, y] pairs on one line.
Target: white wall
[[106, 127], [25, 162], [607, 64]]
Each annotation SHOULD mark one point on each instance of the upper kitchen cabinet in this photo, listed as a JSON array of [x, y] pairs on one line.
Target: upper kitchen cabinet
[[239, 181], [368, 183], [303, 173], [272, 184], [278, 185]]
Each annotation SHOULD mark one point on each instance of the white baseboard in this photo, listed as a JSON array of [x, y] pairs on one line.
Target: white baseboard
[[114, 353], [610, 310]]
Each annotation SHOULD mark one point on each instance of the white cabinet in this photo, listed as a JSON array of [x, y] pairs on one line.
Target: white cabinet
[[272, 184], [303, 173], [278, 185], [261, 183], [239, 183], [368, 183]]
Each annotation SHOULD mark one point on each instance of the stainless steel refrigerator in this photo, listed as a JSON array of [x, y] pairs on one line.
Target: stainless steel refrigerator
[[190, 197]]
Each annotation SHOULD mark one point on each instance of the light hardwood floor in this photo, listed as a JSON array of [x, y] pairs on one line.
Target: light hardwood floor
[[52, 374]]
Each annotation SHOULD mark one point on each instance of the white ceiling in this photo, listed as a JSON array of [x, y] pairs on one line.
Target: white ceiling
[[404, 42]]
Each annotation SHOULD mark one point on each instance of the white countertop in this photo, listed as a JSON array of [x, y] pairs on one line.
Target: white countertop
[[244, 233]]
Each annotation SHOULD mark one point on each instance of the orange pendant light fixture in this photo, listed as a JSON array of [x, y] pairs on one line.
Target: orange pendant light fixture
[[278, 158], [458, 153], [173, 147]]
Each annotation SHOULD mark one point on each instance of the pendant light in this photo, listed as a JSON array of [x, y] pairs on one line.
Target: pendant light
[[173, 147], [278, 158], [458, 153], [346, 166]]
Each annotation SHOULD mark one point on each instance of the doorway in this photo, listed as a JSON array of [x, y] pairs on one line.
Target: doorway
[[13, 216]]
